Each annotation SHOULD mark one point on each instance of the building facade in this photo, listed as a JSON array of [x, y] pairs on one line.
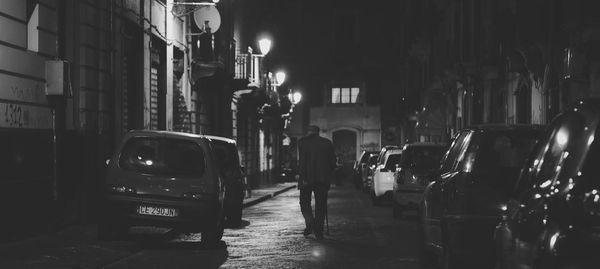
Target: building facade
[[76, 75]]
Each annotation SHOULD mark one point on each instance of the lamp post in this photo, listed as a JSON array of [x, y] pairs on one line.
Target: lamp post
[[295, 97], [264, 45], [280, 77]]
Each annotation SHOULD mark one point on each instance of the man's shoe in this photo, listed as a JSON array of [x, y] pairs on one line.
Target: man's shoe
[[307, 231]]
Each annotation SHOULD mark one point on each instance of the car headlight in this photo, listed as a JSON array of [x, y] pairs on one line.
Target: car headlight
[[122, 189]]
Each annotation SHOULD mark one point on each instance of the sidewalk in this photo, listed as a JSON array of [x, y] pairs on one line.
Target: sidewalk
[[77, 246], [261, 194]]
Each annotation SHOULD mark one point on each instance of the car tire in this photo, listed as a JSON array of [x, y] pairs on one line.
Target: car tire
[[397, 210], [233, 212], [109, 231], [427, 258], [212, 235], [450, 260]]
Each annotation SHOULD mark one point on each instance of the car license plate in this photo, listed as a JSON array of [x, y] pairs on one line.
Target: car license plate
[[157, 211]]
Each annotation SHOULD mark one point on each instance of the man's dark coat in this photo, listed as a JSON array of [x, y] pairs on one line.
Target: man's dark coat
[[317, 160]]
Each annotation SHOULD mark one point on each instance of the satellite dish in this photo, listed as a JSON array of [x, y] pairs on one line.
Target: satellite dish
[[210, 14]]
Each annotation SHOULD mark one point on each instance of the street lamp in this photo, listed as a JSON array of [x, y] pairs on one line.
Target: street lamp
[[279, 77], [295, 97], [264, 45]]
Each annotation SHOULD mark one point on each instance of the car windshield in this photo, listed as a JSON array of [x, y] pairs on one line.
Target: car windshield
[[373, 159], [162, 156], [422, 159], [392, 161], [365, 157]]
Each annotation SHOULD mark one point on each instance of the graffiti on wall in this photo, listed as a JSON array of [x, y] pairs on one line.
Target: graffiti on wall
[[24, 116]]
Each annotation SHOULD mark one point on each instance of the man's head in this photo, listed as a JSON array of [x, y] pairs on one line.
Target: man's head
[[313, 130]]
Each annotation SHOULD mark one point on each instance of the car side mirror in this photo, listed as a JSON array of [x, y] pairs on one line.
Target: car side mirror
[[107, 161]]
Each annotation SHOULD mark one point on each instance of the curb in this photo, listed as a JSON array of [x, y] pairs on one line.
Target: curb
[[267, 197]]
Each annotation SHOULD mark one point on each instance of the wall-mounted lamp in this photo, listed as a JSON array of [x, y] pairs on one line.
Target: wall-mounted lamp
[[264, 45], [280, 77]]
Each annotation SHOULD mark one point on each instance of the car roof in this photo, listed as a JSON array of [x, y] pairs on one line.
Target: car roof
[[506, 127], [423, 144], [180, 135], [390, 147], [220, 138], [158, 133], [393, 151]]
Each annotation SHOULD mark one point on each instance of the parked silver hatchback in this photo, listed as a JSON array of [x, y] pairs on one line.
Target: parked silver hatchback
[[164, 179]]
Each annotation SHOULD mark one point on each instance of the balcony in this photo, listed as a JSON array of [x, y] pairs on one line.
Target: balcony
[[247, 68], [211, 55]]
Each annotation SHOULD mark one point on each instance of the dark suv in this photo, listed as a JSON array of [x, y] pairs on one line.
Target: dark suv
[[418, 166], [553, 217], [464, 204], [168, 179]]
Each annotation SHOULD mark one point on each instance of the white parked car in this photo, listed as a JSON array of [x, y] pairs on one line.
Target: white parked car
[[383, 176]]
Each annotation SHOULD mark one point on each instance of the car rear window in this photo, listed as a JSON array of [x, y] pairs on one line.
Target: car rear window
[[162, 156], [497, 151], [392, 160], [373, 159], [422, 158]]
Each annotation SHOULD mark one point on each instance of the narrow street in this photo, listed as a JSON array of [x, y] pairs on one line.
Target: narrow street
[[361, 236]]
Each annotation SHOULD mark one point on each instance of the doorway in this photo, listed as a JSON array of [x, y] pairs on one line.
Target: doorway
[[344, 143]]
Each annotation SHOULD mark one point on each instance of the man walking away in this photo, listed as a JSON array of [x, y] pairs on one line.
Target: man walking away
[[317, 162]]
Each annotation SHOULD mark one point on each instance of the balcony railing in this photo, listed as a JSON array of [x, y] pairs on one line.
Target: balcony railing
[[248, 66]]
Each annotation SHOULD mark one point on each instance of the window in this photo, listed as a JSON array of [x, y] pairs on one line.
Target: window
[[344, 95], [162, 156], [558, 156], [392, 161], [453, 156]]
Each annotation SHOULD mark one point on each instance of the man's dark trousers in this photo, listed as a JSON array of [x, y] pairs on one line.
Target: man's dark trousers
[[320, 192]]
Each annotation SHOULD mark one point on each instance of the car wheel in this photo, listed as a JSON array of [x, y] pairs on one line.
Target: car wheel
[[234, 216], [450, 260], [397, 210], [427, 258], [212, 235], [234, 208], [108, 231]]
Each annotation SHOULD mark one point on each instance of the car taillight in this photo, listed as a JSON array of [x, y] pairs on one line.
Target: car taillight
[[122, 189]]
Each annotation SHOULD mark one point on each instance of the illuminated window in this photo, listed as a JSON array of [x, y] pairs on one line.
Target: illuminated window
[[344, 95], [335, 95], [353, 95]]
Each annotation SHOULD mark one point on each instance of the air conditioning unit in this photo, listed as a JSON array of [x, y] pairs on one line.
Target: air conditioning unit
[[57, 78]]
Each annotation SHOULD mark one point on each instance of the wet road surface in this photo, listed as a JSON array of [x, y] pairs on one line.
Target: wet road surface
[[361, 236]]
